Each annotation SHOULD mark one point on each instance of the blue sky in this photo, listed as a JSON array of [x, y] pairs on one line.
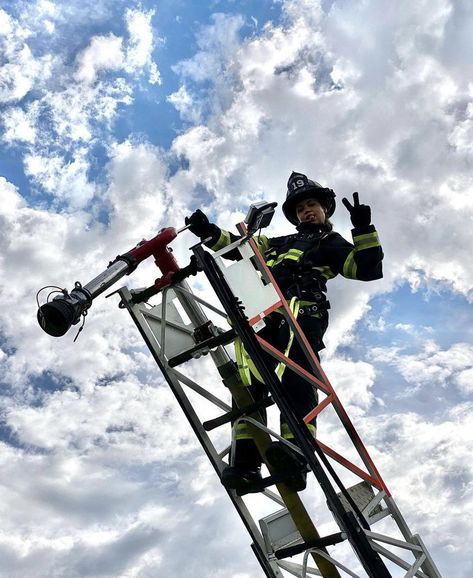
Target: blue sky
[[118, 118], [178, 32]]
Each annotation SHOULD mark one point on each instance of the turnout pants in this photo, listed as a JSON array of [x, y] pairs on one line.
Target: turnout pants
[[301, 394]]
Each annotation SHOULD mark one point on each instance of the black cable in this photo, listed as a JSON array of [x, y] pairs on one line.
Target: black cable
[[84, 314], [59, 290]]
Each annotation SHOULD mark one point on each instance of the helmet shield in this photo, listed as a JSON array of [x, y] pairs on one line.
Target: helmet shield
[[299, 188]]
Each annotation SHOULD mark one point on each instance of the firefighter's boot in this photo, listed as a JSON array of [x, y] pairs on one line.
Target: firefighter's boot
[[288, 463], [243, 480]]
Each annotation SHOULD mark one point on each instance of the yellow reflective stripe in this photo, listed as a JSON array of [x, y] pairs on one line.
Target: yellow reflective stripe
[[243, 437], [296, 252], [350, 267], [325, 272], [287, 434], [366, 241], [279, 259], [242, 431], [368, 245], [222, 241], [270, 258], [312, 428], [292, 254], [241, 426], [367, 236]]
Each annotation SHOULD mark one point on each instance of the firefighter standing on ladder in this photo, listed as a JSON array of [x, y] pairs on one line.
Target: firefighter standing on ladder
[[301, 264]]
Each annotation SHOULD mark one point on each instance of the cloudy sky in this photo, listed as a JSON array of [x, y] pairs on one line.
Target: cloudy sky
[[121, 117]]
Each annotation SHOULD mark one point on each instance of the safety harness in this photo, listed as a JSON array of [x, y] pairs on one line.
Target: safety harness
[[245, 364], [248, 370]]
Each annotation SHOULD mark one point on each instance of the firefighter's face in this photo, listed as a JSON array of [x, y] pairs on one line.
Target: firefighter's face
[[310, 211]]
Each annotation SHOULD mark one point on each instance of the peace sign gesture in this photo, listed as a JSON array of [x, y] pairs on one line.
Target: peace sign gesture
[[360, 215]]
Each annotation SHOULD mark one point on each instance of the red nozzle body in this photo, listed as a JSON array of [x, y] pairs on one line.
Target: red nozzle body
[[163, 257]]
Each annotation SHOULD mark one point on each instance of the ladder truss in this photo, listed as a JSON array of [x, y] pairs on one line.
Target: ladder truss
[[347, 492]]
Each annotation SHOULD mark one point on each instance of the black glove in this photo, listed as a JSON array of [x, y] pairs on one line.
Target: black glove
[[360, 215], [199, 224]]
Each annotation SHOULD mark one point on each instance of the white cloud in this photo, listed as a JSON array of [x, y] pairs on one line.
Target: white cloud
[[73, 109], [113, 53], [421, 459], [407, 327], [378, 324], [103, 53], [99, 438], [184, 103], [11, 199], [6, 25], [217, 44], [154, 74], [21, 124], [136, 192], [464, 380], [431, 366], [141, 39], [63, 179], [354, 381], [20, 69]]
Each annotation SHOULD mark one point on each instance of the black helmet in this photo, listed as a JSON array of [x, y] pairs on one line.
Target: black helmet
[[299, 188]]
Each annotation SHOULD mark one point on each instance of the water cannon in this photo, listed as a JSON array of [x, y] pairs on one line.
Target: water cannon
[[66, 309]]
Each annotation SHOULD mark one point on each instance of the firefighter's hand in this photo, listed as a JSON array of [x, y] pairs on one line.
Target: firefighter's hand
[[199, 224], [360, 215]]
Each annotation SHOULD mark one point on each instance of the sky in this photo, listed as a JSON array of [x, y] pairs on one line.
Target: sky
[[120, 118]]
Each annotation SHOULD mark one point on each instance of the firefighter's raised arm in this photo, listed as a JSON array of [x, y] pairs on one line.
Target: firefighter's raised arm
[[200, 224], [360, 215], [215, 238]]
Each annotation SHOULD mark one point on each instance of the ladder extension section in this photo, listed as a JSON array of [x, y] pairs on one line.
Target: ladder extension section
[[178, 329]]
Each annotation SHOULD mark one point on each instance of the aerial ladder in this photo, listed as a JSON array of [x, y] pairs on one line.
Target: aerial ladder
[[349, 492]]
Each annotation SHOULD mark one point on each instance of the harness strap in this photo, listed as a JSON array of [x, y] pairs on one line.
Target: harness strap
[[295, 310], [245, 364], [247, 369], [305, 310]]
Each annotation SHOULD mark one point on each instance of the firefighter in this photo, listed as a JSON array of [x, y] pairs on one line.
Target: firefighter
[[301, 264]]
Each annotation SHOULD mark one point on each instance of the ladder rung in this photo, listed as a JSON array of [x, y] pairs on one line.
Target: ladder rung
[[320, 543], [210, 343], [277, 478], [236, 413]]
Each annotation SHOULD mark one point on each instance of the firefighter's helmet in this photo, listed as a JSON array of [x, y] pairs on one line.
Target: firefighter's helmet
[[299, 188]]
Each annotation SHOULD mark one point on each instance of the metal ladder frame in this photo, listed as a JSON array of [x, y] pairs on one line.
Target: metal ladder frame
[[155, 325]]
